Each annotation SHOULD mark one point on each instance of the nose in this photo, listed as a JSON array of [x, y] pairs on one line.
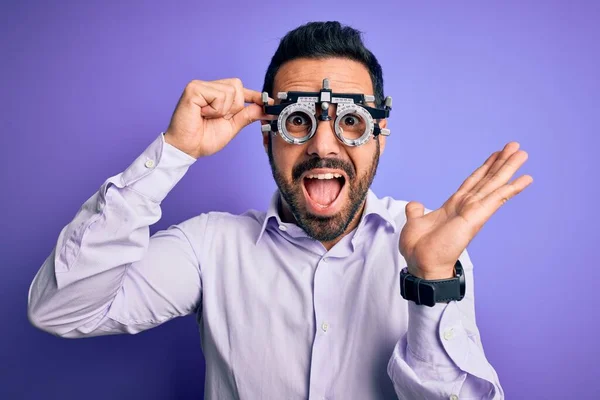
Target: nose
[[324, 143]]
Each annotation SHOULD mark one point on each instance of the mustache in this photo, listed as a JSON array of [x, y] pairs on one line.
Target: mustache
[[317, 162]]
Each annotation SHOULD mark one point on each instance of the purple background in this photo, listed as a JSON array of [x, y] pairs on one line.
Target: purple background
[[87, 86]]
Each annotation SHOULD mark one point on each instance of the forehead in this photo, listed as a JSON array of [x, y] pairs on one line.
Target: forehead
[[306, 75]]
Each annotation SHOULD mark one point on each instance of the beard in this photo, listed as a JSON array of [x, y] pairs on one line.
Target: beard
[[324, 229]]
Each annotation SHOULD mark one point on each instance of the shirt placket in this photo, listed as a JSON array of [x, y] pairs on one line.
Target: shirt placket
[[323, 350]]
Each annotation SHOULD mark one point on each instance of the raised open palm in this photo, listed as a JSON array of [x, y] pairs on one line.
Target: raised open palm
[[431, 243]]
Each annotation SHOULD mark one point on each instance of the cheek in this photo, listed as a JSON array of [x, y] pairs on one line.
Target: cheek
[[362, 158], [286, 156]]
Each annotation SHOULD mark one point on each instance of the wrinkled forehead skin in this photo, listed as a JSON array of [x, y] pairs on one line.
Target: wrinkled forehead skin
[[306, 75]]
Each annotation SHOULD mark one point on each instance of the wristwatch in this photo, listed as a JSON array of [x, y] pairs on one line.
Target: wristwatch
[[430, 292]]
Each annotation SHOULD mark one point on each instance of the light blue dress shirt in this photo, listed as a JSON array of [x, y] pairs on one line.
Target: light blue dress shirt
[[280, 317]]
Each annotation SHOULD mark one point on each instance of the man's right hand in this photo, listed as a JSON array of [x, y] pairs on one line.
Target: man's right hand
[[210, 114]]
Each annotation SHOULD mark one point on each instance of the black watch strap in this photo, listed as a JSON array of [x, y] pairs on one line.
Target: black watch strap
[[430, 292]]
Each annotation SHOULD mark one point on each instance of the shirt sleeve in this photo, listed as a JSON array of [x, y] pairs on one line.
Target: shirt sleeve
[[106, 275], [441, 355]]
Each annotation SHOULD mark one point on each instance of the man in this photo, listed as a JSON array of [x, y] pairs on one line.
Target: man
[[310, 299]]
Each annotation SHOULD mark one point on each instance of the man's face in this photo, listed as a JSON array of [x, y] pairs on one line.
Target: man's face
[[324, 208]]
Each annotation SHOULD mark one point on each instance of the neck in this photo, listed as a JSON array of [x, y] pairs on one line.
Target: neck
[[286, 216]]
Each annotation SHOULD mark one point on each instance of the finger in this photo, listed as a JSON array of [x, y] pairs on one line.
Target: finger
[[236, 82], [230, 94], [493, 201], [238, 97], [504, 174], [414, 210], [209, 99], [252, 96], [248, 95], [506, 152], [242, 96], [193, 94], [248, 115], [478, 174]]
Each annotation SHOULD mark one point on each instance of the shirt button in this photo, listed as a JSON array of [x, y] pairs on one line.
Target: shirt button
[[324, 259], [149, 164], [324, 326], [282, 228], [449, 335], [454, 397]]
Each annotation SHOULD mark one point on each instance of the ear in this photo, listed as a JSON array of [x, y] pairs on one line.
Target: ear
[[382, 139]]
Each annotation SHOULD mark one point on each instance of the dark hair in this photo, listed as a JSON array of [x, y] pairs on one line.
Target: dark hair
[[324, 40]]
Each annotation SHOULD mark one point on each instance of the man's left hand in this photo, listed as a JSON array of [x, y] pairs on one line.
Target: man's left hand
[[431, 243]]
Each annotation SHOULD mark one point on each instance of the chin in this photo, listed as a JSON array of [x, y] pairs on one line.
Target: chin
[[327, 224]]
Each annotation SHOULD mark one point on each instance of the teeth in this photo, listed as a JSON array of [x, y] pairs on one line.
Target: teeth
[[323, 176]]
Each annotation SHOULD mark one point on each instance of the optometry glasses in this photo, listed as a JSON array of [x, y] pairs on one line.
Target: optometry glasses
[[354, 124]]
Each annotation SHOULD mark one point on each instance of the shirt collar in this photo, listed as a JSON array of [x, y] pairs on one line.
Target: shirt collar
[[272, 213], [374, 207], [378, 208]]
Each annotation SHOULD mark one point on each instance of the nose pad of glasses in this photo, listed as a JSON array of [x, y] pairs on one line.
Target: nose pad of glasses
[[324, 111]]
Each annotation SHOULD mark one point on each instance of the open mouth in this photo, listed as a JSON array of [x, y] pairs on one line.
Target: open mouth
[[323, 189]]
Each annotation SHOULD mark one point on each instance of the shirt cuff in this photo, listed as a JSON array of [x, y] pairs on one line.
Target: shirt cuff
[[431, 329], [461, 343], [157, 170]]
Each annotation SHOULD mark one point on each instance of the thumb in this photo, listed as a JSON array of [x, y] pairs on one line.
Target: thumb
[[414, 210], [248, 115]]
